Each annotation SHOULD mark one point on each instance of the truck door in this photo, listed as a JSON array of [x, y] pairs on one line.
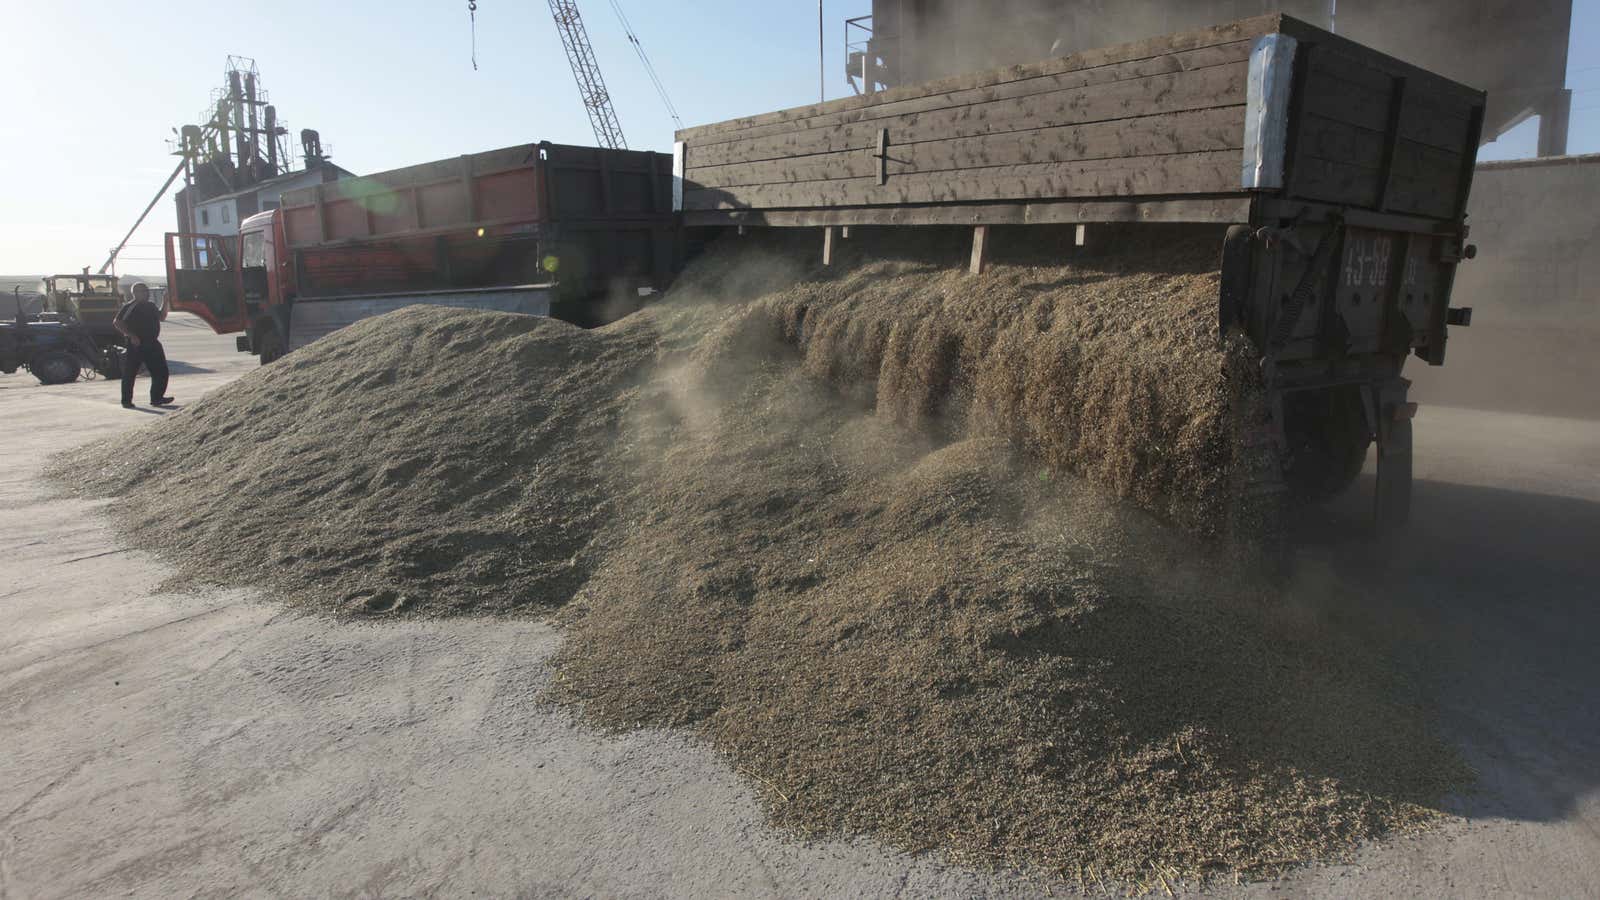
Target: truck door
[[254, 268], [203, 278]]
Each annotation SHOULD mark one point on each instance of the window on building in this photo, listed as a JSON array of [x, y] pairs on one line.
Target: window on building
[[205, 217], [225, 213]]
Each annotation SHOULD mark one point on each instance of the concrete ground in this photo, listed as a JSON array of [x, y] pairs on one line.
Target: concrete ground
[[159, 744]]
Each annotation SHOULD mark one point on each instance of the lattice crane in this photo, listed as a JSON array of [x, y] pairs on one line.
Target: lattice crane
[[591, 85]]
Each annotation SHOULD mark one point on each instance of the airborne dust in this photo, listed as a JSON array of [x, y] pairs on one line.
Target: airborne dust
[[927, 556]]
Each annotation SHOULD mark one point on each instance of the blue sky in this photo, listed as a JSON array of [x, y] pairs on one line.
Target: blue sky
[[91, 88]]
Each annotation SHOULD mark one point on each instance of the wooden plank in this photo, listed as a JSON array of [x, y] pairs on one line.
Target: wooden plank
[[1186, 132], [1210, 88], [1332, 181], [1337, 142], [1325, 138], [1414, 160], [1335, 182], [1328, 96], [1433, 194], [1164, 45], [1176, 209], [1421, 79], [1443, 132], [1380, 79], [1189, 61], [1197, 173], [980, 250]]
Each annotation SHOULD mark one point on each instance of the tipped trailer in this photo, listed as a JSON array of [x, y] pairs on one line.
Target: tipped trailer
[[580, 233], [1339, 174]]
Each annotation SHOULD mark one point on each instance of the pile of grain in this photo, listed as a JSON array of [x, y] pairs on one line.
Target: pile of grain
[[832, 520], [431, 461], [1109, 369]]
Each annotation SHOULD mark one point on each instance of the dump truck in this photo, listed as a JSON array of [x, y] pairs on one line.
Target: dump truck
[[1335, 177], [543, 229]]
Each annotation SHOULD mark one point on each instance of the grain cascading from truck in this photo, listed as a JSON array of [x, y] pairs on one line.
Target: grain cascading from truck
[[1343, 174]]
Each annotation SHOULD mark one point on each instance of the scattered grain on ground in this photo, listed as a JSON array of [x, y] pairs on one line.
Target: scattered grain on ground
[[862, 528]]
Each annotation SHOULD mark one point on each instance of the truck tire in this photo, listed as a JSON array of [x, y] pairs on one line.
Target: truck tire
[[269, 345], [54, 367], [1328, 441]]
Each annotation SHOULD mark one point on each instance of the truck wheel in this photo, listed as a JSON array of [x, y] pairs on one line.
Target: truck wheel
[[53, 367], [1328, 439], [1391, 505], [270, 344]]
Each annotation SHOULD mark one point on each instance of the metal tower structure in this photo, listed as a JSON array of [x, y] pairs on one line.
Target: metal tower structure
[[591, 86]]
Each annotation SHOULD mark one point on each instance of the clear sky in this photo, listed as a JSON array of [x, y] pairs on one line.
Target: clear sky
[[90, 90]]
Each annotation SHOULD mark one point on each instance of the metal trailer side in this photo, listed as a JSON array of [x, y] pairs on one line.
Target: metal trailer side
[[591, 219], [577, 232], [321, 318]]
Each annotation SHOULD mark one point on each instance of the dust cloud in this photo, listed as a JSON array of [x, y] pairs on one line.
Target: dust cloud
[[1535, 293], [926, 555]]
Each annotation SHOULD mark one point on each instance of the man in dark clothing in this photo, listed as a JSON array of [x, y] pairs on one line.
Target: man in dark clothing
[[140, 322]]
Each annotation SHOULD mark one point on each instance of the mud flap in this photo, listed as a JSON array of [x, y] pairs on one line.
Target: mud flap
[[1391, 506], [1236, 276]]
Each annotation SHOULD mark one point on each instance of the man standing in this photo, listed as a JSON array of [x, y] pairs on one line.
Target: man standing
[[140, 322]]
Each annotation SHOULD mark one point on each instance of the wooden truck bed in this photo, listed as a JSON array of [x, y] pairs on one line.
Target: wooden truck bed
[[1341, 174], [1154, 130]]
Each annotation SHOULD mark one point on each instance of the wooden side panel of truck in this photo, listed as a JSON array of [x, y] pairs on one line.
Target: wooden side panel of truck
[[1340, 174]]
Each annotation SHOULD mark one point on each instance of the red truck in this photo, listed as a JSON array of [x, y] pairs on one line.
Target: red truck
[[545, 229]]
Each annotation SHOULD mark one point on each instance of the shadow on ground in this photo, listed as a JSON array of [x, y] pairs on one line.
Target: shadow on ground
[[1492, 599], [178, 367]]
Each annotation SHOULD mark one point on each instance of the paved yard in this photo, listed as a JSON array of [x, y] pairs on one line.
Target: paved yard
[[160, 744]]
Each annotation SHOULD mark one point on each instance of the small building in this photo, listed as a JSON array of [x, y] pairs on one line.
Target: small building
[[222, 214]]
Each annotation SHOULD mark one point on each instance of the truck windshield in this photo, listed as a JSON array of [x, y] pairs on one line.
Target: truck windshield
[[79, 284], [254, 254]]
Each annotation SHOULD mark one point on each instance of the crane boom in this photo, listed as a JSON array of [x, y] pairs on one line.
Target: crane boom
[[183, 160], [591, 85]]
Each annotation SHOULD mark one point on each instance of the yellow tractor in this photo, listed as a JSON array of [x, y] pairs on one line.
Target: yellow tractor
[[93, 301]]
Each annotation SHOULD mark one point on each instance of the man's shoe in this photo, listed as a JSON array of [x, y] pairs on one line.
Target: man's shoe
[[164, 401], [128, 404]]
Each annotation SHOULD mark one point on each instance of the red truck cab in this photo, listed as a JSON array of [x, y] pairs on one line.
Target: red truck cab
[[211, 272]]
